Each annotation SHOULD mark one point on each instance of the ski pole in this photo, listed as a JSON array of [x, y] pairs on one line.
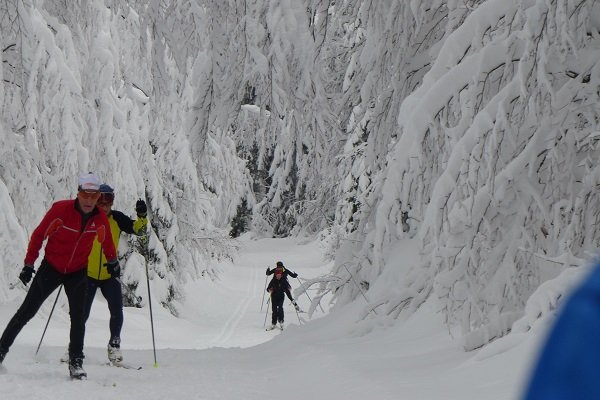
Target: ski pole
[[18, 283], [146, 241], [49, 316], [263, 298], [129, 291], [298, 315], [267, 312], [11, 286], [306, 293], [359, 288]]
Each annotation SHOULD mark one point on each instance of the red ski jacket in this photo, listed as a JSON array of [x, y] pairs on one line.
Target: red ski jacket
[[69, 243]]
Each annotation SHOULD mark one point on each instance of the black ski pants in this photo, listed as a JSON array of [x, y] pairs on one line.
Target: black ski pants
[[277, 307], [45, 281], [111, 290]]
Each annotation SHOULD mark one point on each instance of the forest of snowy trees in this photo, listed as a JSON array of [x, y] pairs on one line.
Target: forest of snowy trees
[[468, 126]]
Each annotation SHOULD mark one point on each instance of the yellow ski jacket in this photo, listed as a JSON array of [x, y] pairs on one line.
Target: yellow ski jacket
[[118, 222]]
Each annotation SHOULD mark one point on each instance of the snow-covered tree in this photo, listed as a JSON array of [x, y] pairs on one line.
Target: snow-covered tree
[[86, 87], [469, 127], [495, 166]]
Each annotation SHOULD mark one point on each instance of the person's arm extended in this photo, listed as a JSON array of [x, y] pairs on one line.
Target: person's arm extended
[[49, 224]]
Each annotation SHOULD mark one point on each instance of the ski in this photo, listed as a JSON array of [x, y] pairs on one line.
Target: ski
[[123, 365], [274, 328]]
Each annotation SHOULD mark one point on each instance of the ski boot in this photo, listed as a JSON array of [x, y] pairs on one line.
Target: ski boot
[[270, 328], [114, 351], [76, 368], [281, 325]]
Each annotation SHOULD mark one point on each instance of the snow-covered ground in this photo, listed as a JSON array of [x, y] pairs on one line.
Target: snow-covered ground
[[218, 348]]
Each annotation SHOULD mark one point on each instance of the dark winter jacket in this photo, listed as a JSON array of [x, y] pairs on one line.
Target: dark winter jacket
[[278, 287]]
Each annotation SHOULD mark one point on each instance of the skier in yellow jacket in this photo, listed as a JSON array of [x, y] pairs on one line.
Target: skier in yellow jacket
[[109, 282]]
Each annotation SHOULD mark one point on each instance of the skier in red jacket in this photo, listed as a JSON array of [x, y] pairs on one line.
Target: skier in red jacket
[[70, 227]]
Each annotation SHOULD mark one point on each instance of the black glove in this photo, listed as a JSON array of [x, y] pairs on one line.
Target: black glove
[[140, 208], [268, 270], [26, 274], [113, 268]]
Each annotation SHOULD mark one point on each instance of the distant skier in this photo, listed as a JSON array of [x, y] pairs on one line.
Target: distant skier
[[100, 277], [69, 229], [278, 288], [286, 272]]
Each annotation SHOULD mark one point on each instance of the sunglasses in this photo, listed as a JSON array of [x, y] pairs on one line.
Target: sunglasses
[[106, 198], [89, 194]]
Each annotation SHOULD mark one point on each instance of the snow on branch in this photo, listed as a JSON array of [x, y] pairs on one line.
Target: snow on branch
[[497, 160]]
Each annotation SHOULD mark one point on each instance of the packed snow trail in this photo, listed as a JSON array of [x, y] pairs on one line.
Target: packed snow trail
[[218, 349], [241, 310]]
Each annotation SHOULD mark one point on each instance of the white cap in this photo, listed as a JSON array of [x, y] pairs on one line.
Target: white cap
[[89, 181]]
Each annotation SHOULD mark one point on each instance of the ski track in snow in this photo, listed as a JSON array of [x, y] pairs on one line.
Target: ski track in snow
[[240, 311]]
